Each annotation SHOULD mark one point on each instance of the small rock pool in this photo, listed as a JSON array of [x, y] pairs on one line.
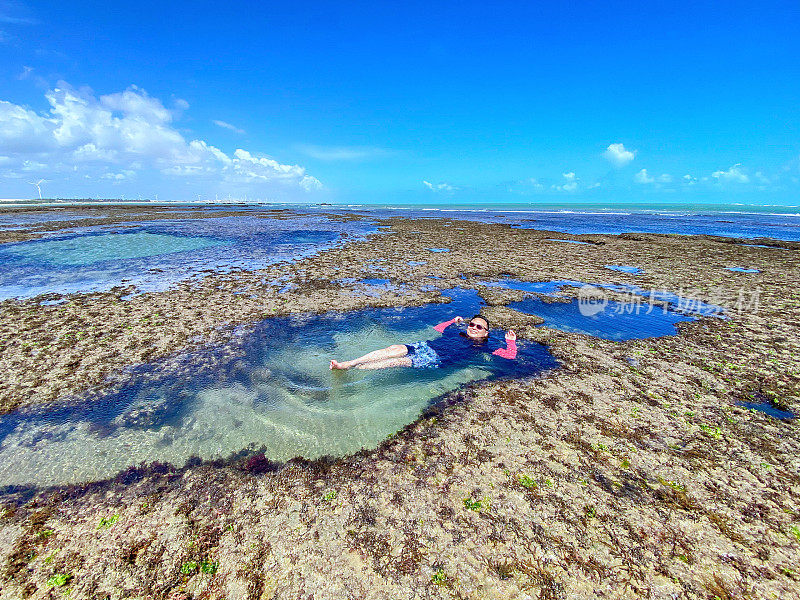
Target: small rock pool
[[269, 391]]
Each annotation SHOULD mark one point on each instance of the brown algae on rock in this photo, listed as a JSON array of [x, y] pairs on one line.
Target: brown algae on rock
[[631, 471]]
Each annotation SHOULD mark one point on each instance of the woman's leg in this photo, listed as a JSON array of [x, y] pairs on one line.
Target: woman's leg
[[394, 351]]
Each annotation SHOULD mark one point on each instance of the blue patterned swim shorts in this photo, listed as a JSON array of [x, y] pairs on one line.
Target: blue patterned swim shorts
[[423, 356]]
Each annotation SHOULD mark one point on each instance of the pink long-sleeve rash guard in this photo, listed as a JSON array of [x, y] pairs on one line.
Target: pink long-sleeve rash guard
[[509, 352]]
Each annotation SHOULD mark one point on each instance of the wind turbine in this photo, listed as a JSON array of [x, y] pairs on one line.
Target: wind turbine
[[38, 186]]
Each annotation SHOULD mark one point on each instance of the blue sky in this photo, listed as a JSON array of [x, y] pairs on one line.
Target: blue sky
[[656, 102]]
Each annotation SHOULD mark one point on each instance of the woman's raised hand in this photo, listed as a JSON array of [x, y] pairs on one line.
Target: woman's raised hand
[[458, 320], [511, 336]]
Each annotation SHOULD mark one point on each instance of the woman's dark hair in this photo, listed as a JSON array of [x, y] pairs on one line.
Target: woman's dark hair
[[479, 316]]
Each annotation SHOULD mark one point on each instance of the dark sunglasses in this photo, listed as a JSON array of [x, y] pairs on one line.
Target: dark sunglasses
[[477, 326]]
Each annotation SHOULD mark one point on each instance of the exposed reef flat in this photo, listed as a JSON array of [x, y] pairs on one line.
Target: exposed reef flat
[[629, 472]]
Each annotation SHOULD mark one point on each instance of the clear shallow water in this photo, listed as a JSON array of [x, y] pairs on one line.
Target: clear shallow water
[[675, 302], [274, 392], [114, 246], [769, 409], [156, 255], [742, 270], [614, 321], [594, 314]]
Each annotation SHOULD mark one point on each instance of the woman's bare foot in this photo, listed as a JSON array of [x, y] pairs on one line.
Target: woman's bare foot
[[335, 364]]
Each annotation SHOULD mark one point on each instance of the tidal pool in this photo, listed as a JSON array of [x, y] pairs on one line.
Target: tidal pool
[[155, 255], [608, 320], [769, 409], [625, 269], [111, 246], [269, 390], [594, 314]]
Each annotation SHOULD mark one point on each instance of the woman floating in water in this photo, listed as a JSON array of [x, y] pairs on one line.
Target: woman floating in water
[[453, 347]]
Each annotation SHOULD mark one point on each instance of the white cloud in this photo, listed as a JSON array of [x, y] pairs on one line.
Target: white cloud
[[439, 187], [735, 174], [341, 153], [534, 183], [664, 178], [617, 155], [226, 125], [570, 185], [23, 131], [126, 131], [122, 175], [643, 177], [252, 168], [689, 179]]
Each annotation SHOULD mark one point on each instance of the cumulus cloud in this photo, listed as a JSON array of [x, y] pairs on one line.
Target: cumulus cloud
[[618, 156], [439, 187], [570, 184], [121, 132], [643, 177], [226, 125], [735, 174]]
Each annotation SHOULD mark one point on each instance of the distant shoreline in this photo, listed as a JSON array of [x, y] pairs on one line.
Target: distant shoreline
[[790, 210]]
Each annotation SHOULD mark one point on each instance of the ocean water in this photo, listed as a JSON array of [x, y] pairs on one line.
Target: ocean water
[[270, 390], [732, 220]]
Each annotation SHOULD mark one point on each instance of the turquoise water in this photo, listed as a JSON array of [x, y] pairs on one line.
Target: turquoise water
[[154, 256], [269, 390], [91, 249]]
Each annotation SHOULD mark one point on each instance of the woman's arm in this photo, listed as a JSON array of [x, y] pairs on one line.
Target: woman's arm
[[442, 326], [510, 351]]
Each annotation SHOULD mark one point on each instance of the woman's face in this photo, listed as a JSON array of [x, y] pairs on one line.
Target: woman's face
[[478, 328]]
